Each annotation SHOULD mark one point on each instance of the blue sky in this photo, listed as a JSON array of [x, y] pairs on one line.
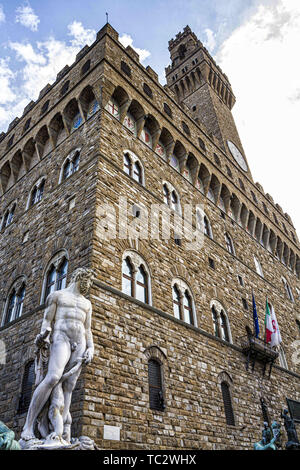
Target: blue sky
[[254, 41]]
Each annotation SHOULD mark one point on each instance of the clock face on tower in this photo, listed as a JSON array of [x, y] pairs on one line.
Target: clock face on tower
[[237, 155]]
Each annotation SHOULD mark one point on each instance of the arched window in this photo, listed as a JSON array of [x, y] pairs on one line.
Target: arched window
[[282, 359], [215, 318], [56, 276], [156, 396], [132, 167], [166, 194], [14, 305], [171, 197], [183, 304], [8, 217], [188, 308], [127, 164], [220, 322], [27, 387], [229, 244], [258, 267], [127, 277], [227, 404], [137, 172], [176, 301], [224, 326], [71, 165], [207, 227], [37, 193], [288, 290], [136, 277], [141, 285]]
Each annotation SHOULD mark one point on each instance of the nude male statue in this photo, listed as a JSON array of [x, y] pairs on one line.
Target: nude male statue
[[68, 318]]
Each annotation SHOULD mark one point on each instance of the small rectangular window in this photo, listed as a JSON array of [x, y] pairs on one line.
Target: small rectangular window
[[211, 263], [245, 304], [125, 68], [241, 281]]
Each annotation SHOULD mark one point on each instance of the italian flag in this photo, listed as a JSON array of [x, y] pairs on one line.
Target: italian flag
[[268, 324]]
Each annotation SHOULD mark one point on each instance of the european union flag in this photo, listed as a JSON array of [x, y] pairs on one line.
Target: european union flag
[[255, 317]]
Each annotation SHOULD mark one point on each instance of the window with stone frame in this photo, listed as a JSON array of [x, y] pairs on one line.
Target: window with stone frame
[[136, 277], [258, 267], [229, 244], [288, 290], [221, 325], [171, 197], [86, 67], [37, 192], [167, 110], [14, 305], [56, 275], [8, 216], [156, 395], [125, 68], [229, 415], [133, 167], [27, 387], [281, 358], [183, 303], [71, 165], [147, 90]]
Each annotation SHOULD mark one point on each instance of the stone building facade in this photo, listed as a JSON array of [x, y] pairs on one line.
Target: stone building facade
[[105, 134]]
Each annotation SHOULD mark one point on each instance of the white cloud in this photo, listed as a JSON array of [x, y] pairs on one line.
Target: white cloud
[[39, 64], [127, 40], [2, 15], [81, 36], [26, 16], [262, 62], [210, 42], [6, 76]]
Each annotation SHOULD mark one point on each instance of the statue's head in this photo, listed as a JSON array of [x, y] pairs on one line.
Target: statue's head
[[285, 412], [266, 425], [84, 277]]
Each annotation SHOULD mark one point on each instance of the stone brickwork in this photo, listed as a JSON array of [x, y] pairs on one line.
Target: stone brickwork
[[113, 390]]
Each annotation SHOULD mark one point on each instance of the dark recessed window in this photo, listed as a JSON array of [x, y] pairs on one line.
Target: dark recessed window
[[27, 387], [45, 107], [201, 144], [194, 108], [217, 159], [125, 68], [86, 67], [147, 90], [27, 125], [177, 240], [227, 404], [245, 304], [229, 172], [211, 263], [265, 208], [64, 88], [254, 197], [275, 218], [241, 184], [167, 110], [186, 129], [222, 215], [11, 141], [156, 397], [241, 281]]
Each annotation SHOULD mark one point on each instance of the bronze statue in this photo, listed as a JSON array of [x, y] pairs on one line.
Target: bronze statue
[[293, 441]]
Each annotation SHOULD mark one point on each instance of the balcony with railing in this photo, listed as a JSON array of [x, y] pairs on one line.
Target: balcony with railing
[[256, 349]]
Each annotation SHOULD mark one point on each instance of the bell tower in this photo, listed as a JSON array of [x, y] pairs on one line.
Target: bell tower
[[200, 84]]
